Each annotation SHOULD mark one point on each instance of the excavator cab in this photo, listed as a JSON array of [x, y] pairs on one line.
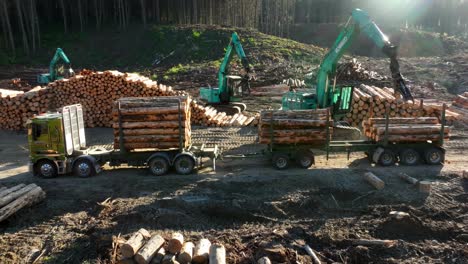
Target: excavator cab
[[341, 100]]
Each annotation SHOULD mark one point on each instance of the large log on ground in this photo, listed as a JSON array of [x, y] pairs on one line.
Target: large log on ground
[[201, 252], [148, 251], [374, 242], [14, 195], [134, 243], [175, 243], [407, 178], [217, 254], [186, 254], [374, 180], [12, 189], [425, 186], [33, 196]]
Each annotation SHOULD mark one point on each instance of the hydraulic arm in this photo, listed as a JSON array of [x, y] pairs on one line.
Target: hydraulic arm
[[56, 73], [358, 22]]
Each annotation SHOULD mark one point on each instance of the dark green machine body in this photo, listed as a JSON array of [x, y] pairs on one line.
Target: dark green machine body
[[57, 72]]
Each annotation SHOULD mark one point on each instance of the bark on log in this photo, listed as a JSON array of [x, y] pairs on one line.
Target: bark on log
[[411, 138], [14, 195], [12, 189], [402, 120], [148, 251], [186, 254], [175, 243], [293, 123], [217, 254], [134, 243], [162, 124], [201, 252], [374, 180], [33, 196], [408, 178], [139, 132]]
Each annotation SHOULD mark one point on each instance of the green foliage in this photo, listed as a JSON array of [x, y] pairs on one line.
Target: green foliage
[[196, 34], [177, 69]]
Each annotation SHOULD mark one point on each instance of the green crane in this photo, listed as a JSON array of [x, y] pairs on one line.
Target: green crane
[[339, 98], [230, 88], [56, 71]]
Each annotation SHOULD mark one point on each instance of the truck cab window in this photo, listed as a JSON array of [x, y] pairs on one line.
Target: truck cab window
[[38, 130]]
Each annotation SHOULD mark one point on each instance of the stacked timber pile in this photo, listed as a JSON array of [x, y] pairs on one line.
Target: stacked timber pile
[[152, 122], [144, 248], [15, 198], [460, 106], [294, 127], [370, 101], [420, 129], [96, 92]]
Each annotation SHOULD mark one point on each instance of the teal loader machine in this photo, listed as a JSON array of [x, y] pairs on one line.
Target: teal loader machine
[[57, 71], [338, 98], [231, 89]]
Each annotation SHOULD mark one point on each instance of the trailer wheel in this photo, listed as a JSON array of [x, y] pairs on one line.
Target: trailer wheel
[[184, 165], [46, 169], [409, 157], [280, 161], [387, 158], [83, 168], [158, 166], [305, 159], [434, 156]]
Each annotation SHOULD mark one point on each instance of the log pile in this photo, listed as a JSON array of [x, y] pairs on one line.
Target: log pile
[[370, 101], [294, 127], [209, 116], [144, 248], [152, 122], [352, 70], [96, 92], [460, 107], [15, 198], [419, 129]]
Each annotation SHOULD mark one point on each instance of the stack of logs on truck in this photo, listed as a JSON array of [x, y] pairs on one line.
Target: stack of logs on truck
[[296, 135], [460, 106], [370, 101]]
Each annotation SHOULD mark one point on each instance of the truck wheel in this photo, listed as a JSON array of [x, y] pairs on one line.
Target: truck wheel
[[83, 168], [280, 161], [46, 169], [305, 159], [434, 156], [409, 157], [184, 164], [158, 166], [387, 158]]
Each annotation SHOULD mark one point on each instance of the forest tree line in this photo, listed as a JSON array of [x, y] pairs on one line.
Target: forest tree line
[[23, 21]]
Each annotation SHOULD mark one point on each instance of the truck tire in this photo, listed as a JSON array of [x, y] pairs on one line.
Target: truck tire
[[434, 156], [83, 168], [305, 159], [280, 161], [158, 166], [409, 157], [46, 169], [387, 158], [184, 164]]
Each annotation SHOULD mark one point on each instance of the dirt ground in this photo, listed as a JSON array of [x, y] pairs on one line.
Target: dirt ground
[[247, 205]]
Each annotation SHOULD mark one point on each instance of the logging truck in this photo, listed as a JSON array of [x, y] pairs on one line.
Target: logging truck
[[57, 145]]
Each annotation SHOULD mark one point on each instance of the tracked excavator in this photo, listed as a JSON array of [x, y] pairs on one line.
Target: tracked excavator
[[57, 71], [338, 98], [227, 96]]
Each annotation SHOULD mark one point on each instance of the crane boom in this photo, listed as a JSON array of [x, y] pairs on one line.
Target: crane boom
[[358, 22]]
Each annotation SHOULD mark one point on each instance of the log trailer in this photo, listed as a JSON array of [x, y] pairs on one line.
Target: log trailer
[[57, 145]]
